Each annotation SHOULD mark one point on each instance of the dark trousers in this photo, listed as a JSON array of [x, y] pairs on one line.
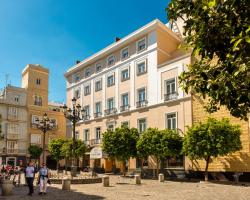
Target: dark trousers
[[30, 185]]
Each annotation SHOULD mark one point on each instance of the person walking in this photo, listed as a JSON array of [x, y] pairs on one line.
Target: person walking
[[43, 179], [30, 175]]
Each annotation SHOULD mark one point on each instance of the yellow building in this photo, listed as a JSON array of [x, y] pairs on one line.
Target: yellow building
[[35, 79]]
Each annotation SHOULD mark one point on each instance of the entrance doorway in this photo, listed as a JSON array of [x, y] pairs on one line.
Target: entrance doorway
[[11, 161]]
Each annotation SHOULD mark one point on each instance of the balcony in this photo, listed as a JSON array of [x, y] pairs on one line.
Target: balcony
[[97, 114], [110, 111], [86, 117], [142, 103], [93, 142], [12, 117], [124, 108], [12, 136], [16, 151], [170, 96]]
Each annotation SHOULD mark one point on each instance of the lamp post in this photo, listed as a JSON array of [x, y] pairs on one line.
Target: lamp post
[[74, 114], [45, 125]]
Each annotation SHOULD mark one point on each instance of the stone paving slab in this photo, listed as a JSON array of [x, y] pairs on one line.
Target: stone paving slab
[[149, 190]]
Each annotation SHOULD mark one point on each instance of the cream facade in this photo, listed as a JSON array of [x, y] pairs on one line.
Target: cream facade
[[133, 81], [14, 135]]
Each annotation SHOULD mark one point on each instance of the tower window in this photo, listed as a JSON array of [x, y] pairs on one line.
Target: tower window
[[38, 81]]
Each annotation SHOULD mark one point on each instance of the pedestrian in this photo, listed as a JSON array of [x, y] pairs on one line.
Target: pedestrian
[[30, 175], [43, 179]]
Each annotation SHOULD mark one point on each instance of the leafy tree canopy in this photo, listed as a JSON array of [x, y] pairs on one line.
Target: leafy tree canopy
[[211, 139], [121, 143], [55, 148], [219, 33], [67, 148], [35, 151]]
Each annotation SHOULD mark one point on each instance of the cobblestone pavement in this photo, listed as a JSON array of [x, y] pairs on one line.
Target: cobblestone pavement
[[122, 189]]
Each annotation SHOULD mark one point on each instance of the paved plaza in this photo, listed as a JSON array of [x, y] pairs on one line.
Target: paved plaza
[[150, 189]]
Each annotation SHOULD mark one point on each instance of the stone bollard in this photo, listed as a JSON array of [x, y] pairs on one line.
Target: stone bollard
[[161, 177], [66, 183], [7, 187], [105, 181], [137, 179]]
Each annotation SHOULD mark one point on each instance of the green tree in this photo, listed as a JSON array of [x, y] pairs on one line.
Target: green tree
[[211, 139], [159, 144], [35, 151], [219, 34], [55, 149], [121, 143], [67, 149]]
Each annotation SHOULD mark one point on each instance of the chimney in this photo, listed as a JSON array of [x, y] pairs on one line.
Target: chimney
[[78, 61], [117, 39]]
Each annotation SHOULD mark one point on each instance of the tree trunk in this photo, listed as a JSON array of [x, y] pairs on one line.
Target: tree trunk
[[206, 169], [57, 166], [157, 167]]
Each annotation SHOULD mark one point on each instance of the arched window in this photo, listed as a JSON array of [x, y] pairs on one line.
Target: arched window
[[37, 100], [38, 81]]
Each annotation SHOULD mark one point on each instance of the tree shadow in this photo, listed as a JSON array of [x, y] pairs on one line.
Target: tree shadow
[[54, 193]]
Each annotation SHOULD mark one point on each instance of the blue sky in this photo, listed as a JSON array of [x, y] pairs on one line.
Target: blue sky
[[56, 33]]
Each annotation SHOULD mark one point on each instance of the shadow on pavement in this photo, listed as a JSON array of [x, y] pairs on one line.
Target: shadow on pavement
[[52, 194]]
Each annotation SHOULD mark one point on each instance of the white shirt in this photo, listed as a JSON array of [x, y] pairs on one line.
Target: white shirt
[[30, 172]]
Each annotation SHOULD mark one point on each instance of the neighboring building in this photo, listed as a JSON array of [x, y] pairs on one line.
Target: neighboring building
[[35, 80], [133, 81], [14, 137]]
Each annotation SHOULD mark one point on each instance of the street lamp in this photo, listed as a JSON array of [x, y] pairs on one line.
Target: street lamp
[[45, 125], [74, 114]]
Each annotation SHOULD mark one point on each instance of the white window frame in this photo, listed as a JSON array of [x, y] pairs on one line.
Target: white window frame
[[84, 134], [79, 93], [87, 113], [112, 55], [13, 112], [87, 70], [75, 76], [165, 84], [126, 93], [146, 67], [86, 94], [100, 106], [145, 89], [138, 125], [99, 80], [123, 122], [121, 53], [122, 70], [37, 137], [99, 134], [109, 75], [137, 43], [166, 119]]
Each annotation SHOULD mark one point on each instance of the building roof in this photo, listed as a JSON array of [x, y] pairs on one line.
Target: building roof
[[36, 67], [117, 45]]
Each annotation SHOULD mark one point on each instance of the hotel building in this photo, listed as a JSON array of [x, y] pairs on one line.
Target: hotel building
[[133, 81]]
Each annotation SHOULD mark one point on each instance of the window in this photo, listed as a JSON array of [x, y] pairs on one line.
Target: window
[[98, 67], [86, 135], [86, 112], [34, 119], [38, 81], [35, 139], [77, 135], [53, 122], [141, 45], [12, 112], [111, 60], [171, 120], [111, 80], [110, 103], [98, 109], [87, 72], [124, 54], [12, 145], [76, 77], [16, 98], [141, 94], [125, 123], [170, 89], [125, 99], [98, 133], [12, 128], [110, 127], [124, 75], [141, 68], [38, 101], [142, 125], [98, 85], [77, 94], [87, 90]]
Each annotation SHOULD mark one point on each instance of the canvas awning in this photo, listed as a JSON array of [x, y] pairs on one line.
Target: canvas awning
[[97, 153]]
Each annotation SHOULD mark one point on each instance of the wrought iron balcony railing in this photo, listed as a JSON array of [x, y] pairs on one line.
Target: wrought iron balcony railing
[[110, 111], [170, 96], [97, 114], [142, 103], [124, 108]]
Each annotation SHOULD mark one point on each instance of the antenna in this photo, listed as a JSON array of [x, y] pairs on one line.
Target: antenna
[[6, 79]]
